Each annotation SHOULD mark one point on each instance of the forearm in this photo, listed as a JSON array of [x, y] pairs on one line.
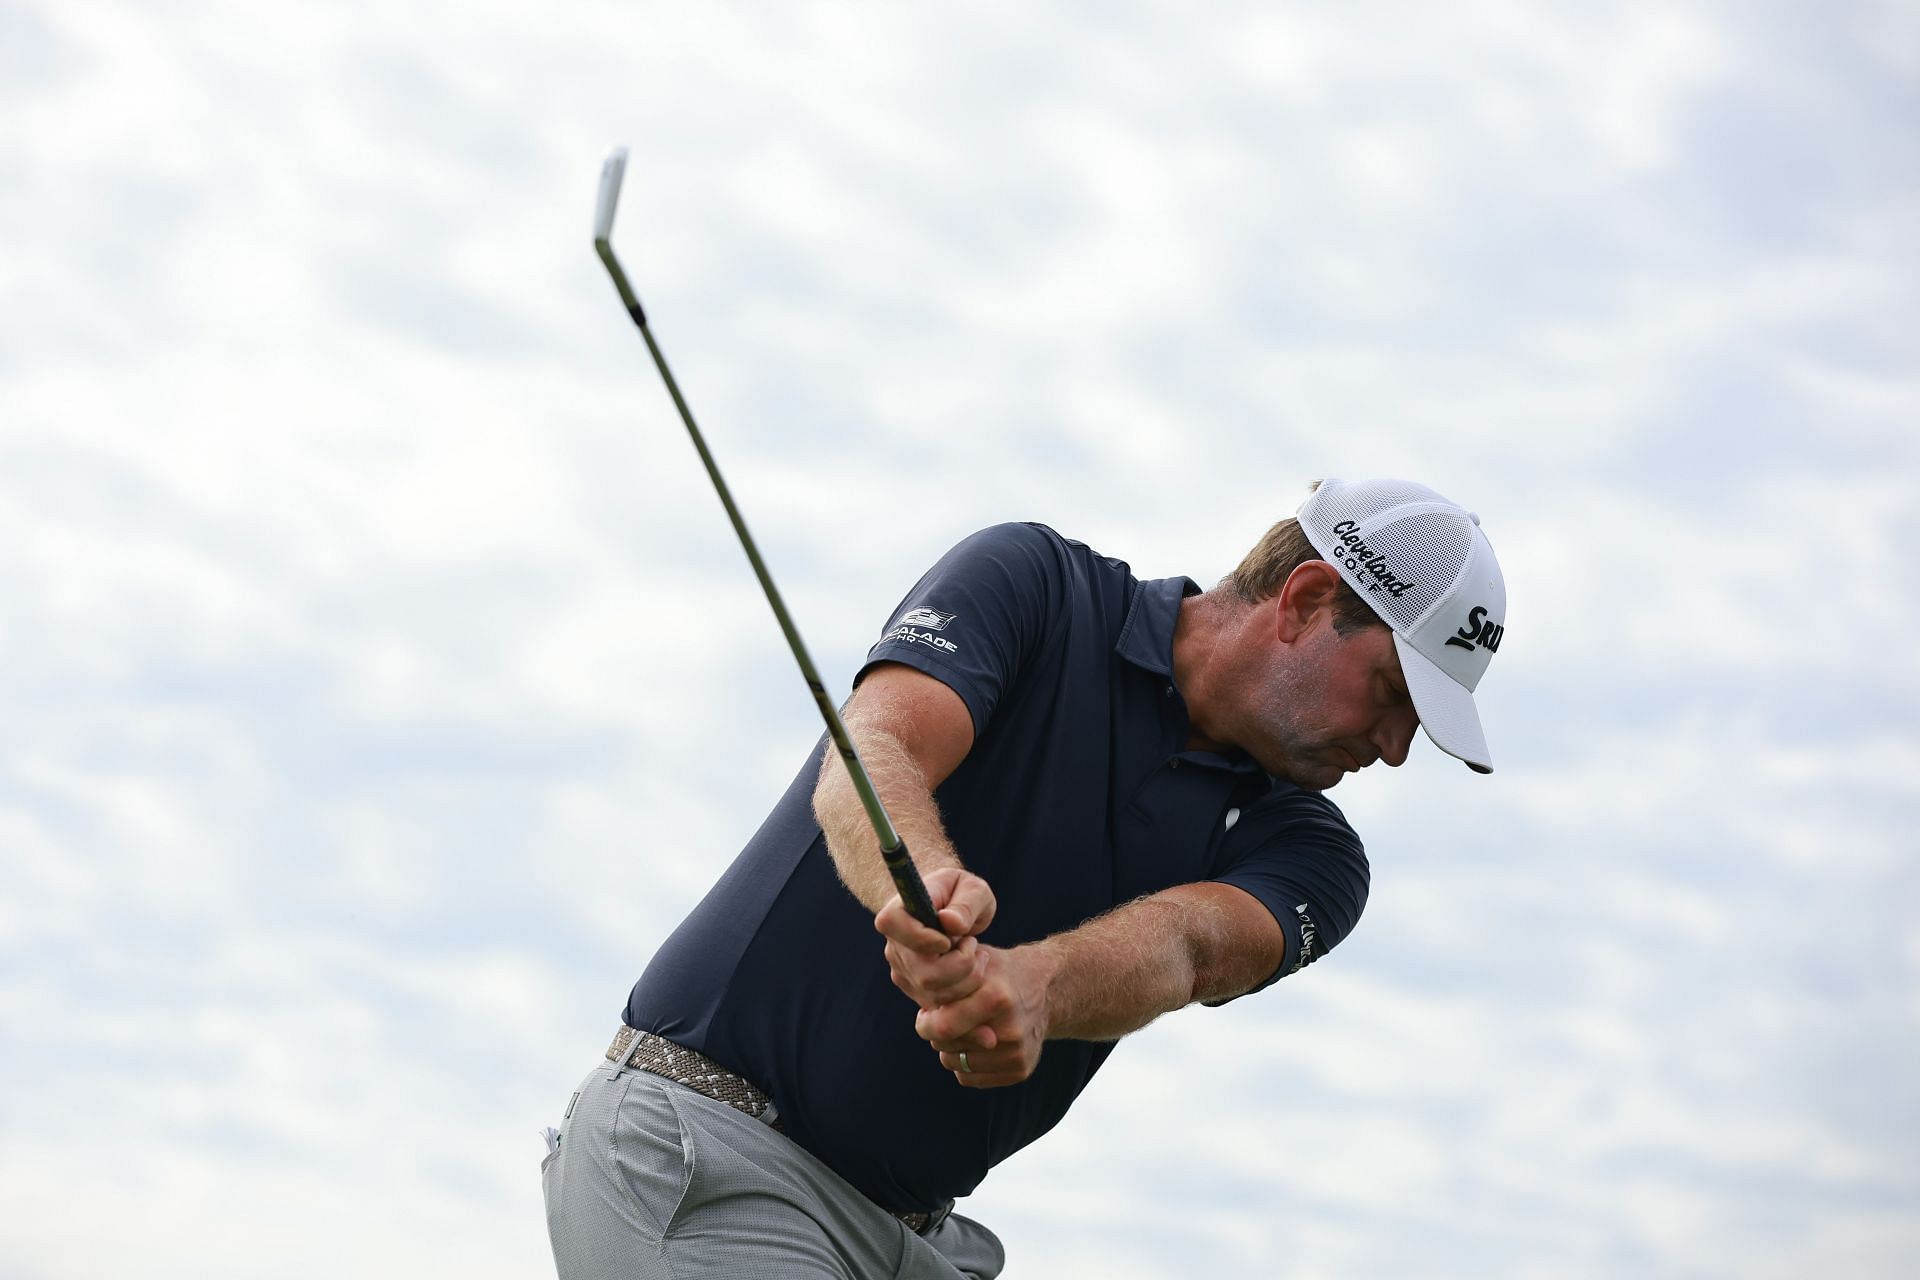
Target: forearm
[[903, 789], [1120, 971]]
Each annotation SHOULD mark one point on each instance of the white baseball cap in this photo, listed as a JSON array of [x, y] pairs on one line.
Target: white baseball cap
[[1425, 567]]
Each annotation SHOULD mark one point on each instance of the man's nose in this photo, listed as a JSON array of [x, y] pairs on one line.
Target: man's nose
[[1395, 737]]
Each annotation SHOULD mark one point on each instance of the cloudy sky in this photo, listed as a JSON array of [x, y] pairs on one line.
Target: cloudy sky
[[379, 679]]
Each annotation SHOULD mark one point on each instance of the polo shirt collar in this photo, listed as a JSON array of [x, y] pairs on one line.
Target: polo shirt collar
[[1146, 638]]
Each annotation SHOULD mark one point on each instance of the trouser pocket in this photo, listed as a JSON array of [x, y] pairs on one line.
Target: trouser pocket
[[652, 1151]]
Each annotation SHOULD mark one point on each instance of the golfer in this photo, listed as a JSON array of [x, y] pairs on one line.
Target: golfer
[[1114, 790]]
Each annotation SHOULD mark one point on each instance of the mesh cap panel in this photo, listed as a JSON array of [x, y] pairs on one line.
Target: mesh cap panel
[[1423, 550]]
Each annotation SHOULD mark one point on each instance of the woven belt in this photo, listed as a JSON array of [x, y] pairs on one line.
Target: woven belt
[[697, 1071], [662, 1057]]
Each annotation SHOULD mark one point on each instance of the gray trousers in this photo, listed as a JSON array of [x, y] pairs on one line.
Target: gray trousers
[[652, 1180]]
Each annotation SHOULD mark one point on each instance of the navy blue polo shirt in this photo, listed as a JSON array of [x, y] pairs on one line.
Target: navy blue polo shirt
[[1078, 795]]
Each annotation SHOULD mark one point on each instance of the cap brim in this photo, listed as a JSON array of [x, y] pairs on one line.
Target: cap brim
[[1446, 709]]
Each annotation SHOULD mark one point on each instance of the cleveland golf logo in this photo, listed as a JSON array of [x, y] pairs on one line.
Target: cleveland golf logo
[[1362, 559], [1478, 631]]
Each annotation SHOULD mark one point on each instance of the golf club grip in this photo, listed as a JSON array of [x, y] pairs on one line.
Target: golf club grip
[[913, 890]]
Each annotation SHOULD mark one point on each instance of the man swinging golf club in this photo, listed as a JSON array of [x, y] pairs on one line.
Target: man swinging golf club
[[1113, 790]]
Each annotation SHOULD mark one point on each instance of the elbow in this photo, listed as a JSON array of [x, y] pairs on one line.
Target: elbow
[[1196, 954], [1210, 981], [1222, 966]]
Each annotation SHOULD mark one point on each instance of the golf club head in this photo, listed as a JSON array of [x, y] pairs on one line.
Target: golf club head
[[611, 172]]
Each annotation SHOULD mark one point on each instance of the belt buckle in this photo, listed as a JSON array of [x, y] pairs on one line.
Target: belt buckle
[[934, 1217]]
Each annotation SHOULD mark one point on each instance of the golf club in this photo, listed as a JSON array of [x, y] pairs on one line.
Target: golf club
[[906, 877]]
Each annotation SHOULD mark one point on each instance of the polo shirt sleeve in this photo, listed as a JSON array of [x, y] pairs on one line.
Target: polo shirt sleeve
[[1297, 855], [975, 618]]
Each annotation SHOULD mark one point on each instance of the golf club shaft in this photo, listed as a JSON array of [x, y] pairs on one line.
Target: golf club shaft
[[893, 849]]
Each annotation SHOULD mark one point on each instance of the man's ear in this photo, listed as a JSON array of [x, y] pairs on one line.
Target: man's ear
[[1308, 592]]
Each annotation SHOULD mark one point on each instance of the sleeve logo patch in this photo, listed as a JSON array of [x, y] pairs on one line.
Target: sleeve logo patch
[[1309, 938], [921, 616], [917, 626]]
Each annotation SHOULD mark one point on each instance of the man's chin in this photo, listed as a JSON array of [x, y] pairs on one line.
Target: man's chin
[[1314, 777]]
